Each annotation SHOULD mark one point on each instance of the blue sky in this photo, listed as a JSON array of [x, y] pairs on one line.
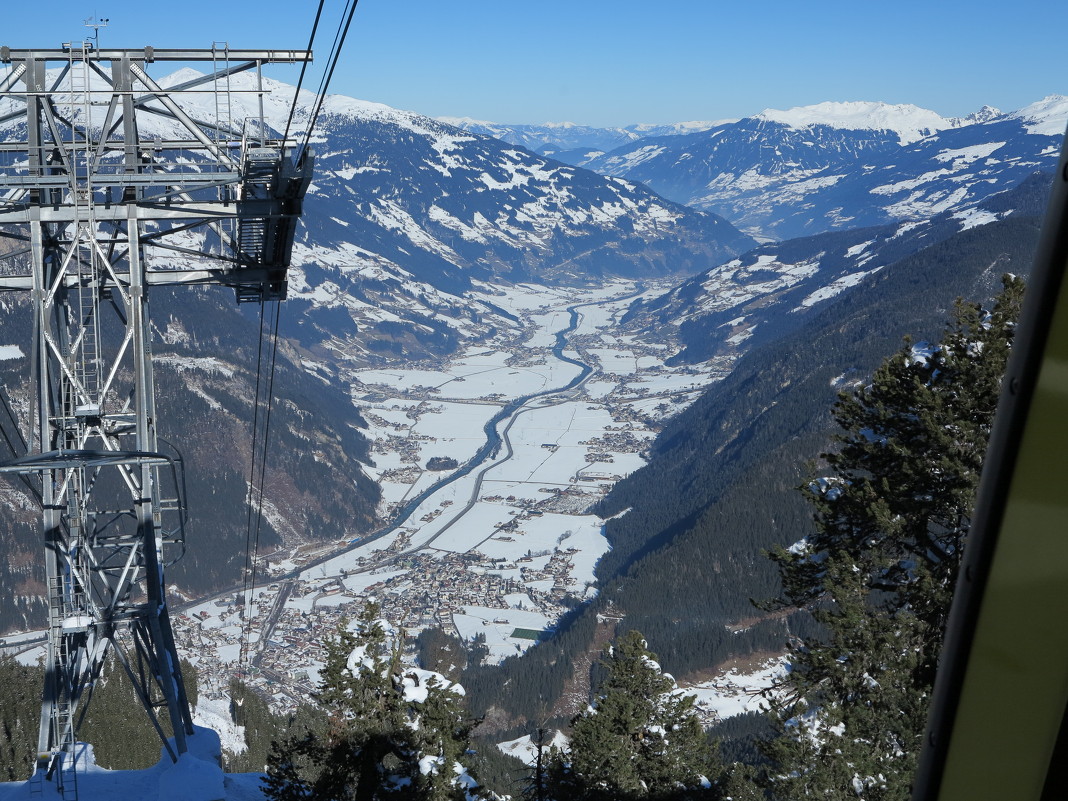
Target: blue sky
[[615, 62]]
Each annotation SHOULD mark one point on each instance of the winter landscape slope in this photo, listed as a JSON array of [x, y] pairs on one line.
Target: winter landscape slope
[[416, 231], [688, 530], [761, 295], [571, 143], [833, 166]]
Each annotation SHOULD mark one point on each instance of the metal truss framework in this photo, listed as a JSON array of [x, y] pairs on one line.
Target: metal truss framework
[[91, 201]]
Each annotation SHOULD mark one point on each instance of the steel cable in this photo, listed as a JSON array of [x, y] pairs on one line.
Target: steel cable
[[303, 69], [335, 53]]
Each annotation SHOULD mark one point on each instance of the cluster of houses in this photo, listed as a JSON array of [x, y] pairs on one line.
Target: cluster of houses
[[417, 590], [407, 447], [622, 439], [438, 586]]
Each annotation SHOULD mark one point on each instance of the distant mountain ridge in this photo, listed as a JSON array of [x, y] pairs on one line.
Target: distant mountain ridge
[[567, 141], [784, 174], [577, 144], [829, 166]]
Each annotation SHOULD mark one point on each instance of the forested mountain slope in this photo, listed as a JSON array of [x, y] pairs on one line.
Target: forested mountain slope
[[773, 289], [720, 483], [205, 355], [688, 529]]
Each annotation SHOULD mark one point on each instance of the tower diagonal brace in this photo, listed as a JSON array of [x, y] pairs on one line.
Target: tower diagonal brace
[[96, 201]]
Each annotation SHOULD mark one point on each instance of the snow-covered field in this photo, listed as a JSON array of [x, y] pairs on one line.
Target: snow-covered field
[[735, 692], [499, 548]]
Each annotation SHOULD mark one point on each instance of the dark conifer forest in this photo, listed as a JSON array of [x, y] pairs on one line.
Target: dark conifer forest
[[687, 559]]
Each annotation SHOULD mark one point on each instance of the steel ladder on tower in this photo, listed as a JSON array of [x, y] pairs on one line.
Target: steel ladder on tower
[[66, 603], [86, 353]]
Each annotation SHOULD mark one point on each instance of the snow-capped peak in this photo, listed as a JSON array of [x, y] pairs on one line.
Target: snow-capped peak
[[985, 114], [277, 101], [668, 129], [461, 122], [1047, 117], [909, 122]]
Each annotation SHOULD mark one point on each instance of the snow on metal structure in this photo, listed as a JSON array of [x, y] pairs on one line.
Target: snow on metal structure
[[104, 172]]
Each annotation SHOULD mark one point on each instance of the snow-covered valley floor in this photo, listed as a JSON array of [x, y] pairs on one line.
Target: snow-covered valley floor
[[500, 549], [493, 546]]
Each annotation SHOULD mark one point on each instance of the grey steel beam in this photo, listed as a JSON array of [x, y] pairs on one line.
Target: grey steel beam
[[87, 191], [149, 211], [119, 179], [110, 145], [62, 459], [225, 277], [150, 54]]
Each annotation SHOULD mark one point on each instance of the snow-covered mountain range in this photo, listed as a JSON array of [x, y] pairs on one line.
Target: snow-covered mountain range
[[414, 227], [572, 143], [831, 166], [409, 219], [412, 221], [408, 216], [575, 143], [828, 166]]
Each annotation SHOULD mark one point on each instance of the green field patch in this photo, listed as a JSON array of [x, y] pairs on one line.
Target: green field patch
[[527, 634]]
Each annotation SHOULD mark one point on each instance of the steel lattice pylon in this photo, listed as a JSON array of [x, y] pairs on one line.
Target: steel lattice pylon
[[94, 200]]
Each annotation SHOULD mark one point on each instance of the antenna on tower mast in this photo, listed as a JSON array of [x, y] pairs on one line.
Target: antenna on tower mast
[[96, 25]]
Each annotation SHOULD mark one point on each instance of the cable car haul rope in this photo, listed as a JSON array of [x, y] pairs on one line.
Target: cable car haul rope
[[95, 203]]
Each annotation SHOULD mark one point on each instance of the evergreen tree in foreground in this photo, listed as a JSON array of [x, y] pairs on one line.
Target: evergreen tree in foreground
[[395, 732], [891, 517], [640, 740], [116, 724], [20, 716]]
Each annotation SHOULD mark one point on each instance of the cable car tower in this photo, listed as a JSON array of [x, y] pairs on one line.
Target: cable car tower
[[103, 174]]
